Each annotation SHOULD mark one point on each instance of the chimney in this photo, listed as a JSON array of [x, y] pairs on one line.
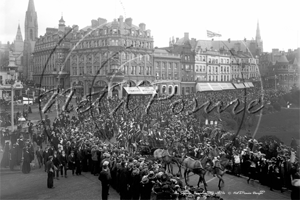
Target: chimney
[[101, 21], [75, 28], [95, 23], [128, 21], [142, 26], [186, 36], [177, 39]]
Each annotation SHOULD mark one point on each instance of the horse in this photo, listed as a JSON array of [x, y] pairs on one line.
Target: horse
[[197, 167], [165, 156], [220, 169]]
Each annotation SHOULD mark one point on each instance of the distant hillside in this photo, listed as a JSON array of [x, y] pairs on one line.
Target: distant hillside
[[284, 125]]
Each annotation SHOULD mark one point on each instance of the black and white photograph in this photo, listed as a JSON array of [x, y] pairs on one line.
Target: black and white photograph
[[149, 100]]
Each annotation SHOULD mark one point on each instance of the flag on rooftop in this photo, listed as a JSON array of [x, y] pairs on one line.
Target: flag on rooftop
[[212, 34]]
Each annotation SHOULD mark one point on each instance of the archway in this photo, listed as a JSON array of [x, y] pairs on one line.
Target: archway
[[144, 83], [99, 86], [170, 89], [163, 89]]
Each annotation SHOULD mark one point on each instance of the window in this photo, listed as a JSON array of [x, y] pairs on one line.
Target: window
[[176, 77], [221, 69], [221, 60], [209, 60], [196, 68]]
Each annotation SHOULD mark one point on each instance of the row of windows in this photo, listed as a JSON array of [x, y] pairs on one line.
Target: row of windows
[[107, 55], [130, 70], [165, 76], [114, 31], [109, 42], [219, 78], [166, 66]]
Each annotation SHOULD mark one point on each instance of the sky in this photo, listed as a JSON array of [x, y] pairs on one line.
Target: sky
[[235, 19]]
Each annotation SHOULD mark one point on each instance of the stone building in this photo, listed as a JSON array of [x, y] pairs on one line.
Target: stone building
[[167, 72], [111, 54], [51, 66]]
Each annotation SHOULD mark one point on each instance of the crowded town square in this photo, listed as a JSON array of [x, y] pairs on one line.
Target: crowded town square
[[96, 105]]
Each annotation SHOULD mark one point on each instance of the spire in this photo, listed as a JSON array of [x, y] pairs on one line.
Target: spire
[[19, 34], [31, 6], [258, 32]]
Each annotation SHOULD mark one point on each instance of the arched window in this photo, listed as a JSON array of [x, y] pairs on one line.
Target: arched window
[[163, 89], [170, 89], [175, 89]]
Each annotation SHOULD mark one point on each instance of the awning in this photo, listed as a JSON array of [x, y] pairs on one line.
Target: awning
[[250, 84], [215, 86], [140, 90], [202, 87], [239, 85], [227, 86], [246, 85]]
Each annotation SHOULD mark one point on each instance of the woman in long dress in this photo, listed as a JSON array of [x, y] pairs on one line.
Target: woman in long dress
[[26, 162]]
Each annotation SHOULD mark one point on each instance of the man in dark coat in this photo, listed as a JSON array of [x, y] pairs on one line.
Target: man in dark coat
[[13, 157], [46, 155], [105, 179], [57, 163], [50, 170], [123, 182]]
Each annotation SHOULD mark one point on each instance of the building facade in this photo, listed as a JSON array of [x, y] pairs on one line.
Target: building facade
[[185, 47], [167, 72], [51, 66], [108, 53], [282, 68]]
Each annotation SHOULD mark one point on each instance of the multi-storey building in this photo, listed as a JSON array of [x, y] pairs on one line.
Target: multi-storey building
[[51, 66], [185, 47], [167, 71], [107, 53], [282, 68]]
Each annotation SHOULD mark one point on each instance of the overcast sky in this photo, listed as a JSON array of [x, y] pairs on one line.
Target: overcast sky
[[235, 19]]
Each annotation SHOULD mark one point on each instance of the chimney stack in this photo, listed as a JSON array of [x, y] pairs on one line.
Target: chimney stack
[[177, 39], [95, 23], [186, 36], [128, 21], [101, 21], [142, 26]]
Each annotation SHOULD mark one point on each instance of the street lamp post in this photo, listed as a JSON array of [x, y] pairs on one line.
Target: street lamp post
[[12, 81]]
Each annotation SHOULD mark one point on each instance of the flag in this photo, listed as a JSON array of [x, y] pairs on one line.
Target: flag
[[212, 34]]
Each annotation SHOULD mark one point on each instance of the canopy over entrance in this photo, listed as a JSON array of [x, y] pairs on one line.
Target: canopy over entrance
[[140, 90]]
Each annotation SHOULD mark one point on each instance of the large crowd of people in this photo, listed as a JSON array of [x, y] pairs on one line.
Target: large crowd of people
[[81, 143]]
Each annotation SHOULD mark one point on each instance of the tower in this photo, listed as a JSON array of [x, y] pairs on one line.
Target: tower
[[61, 25], [18, 43], [258, 40], [31, 33]]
